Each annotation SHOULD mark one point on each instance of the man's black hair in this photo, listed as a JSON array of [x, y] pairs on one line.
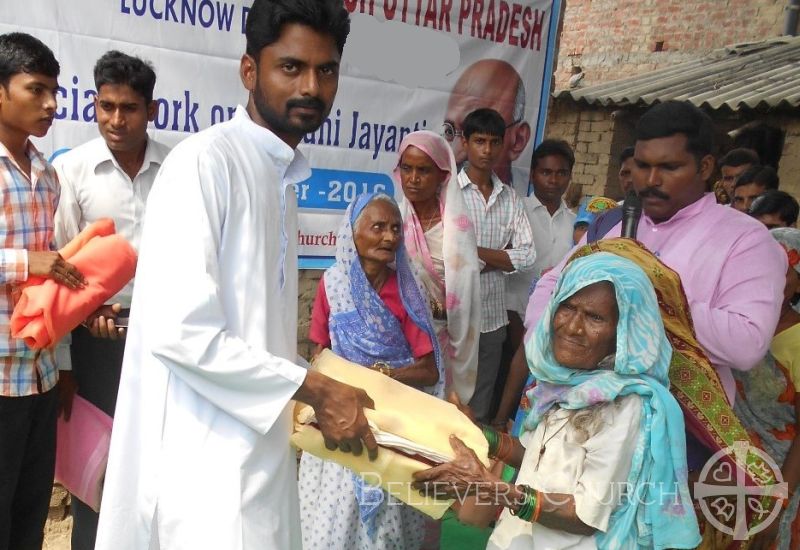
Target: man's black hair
[[22, 53], [266, 19], [484, 121], [678, 117], [626, 154], [777, 202], [765, 176], [739, 157], [118, 68], [553, 147]]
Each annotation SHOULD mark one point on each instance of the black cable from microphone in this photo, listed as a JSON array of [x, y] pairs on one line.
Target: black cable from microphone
[[631, 213]]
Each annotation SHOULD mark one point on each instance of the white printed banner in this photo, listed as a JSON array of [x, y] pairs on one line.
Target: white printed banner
[[408, 65]]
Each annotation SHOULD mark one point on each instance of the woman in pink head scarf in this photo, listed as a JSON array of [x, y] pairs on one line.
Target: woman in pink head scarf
[[441, 244]]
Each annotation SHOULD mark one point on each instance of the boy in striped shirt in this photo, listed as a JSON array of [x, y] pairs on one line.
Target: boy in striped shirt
[[28, 195]]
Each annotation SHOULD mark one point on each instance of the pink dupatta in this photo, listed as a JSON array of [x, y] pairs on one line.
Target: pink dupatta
[[459, 292]]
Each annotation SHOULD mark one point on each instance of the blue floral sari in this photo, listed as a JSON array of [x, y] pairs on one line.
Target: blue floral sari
[[364, 330]]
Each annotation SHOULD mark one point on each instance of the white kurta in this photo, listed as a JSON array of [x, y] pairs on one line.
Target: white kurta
[[200, 454]]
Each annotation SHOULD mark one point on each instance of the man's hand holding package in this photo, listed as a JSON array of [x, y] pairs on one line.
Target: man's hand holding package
[[101, 323], [339, 410], [412, 428]]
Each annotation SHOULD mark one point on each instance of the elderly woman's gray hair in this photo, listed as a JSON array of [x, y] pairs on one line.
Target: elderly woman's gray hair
[[379, 197]]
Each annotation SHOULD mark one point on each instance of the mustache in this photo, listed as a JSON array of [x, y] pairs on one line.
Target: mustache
[[306, 103], [654, 193]]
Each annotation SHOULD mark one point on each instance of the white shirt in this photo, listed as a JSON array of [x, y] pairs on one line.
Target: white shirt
[[552, 239], [593, 470], [94, 186], [200, 454], [500, 224]]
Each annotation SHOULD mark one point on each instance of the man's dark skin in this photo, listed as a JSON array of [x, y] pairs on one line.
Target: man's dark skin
[[291, 88]]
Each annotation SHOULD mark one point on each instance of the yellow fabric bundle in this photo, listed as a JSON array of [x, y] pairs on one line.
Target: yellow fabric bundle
[[401, 412]]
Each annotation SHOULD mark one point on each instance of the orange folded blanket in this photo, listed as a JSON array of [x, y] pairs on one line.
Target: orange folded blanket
[[47, 310]]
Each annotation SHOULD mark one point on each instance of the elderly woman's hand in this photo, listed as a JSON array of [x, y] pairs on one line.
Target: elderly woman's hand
[[464, 475]]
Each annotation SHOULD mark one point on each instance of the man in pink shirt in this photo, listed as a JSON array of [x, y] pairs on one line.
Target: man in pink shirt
[[732, 271]]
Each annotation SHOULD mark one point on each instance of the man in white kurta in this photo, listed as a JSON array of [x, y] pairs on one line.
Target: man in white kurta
[[200, 455], [203, 420]]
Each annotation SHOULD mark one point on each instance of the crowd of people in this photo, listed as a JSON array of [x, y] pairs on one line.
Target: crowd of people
[[605, 372]]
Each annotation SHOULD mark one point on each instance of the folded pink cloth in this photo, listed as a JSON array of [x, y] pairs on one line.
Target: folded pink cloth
[[47, 310], [82, 451]]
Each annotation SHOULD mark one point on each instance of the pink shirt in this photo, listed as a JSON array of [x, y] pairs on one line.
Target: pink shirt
[[733, 273]]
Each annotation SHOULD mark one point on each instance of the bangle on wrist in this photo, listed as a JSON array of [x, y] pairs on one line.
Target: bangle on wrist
[[537, 509], [382, 367], [492, 438], [501, 445], [530, 503], [505, 447]]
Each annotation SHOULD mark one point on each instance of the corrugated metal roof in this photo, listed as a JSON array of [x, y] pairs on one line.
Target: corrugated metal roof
[[745, 76]]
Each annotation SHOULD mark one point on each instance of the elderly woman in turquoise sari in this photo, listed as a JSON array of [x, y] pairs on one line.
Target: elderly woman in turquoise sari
[[370, 310], [602, 459]]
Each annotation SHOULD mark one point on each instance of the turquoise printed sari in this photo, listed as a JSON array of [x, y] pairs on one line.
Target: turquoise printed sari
[[657, 512]]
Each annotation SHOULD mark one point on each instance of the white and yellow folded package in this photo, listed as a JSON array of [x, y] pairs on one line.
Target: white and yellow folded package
[[412, 429]]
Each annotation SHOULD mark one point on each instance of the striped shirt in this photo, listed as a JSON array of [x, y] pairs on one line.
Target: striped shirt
[[500, 224], [29, 206]]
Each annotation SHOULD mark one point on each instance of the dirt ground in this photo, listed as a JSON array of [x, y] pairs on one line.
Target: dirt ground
[[59, 522]]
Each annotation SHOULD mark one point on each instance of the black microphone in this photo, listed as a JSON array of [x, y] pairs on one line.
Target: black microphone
[[631, 213]]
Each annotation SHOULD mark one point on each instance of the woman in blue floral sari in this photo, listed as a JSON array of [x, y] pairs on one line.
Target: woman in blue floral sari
[[370, 310]]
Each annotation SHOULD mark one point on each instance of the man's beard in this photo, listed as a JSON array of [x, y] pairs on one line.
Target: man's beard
[[280, 123]]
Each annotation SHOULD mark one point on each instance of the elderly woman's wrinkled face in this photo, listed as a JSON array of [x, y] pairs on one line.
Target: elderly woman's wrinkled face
[[585, 327], [377, 232], [419, 175]]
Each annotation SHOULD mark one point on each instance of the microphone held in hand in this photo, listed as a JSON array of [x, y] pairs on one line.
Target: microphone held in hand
[[631, 213]]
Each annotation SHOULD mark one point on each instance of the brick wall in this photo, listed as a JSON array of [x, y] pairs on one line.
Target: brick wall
[[307, 290], [591, 133], [599, 134], [611, 39]]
